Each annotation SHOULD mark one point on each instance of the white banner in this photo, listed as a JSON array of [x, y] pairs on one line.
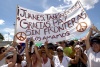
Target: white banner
[[51, 27]]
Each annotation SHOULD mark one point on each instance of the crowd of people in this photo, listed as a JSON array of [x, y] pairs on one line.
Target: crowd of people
[[73, 53]]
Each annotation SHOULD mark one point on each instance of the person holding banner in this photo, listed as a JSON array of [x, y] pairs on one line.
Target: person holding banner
[[33, 59], [60, 60], [93, 48]]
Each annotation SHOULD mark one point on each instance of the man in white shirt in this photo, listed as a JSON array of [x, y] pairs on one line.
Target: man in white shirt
[[60, 60], [93, 48]]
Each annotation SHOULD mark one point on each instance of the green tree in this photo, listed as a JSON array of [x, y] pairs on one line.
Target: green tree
[[1, 36]]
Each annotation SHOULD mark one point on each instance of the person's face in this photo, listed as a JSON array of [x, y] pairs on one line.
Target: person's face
[[9, 59], [78, 50], [62, 44], [60, 52], [43, 54], [3, 50], [33, 56], [96, 47]]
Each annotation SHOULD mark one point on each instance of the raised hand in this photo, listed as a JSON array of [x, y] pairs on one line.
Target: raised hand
[[94, 28], [27, 41], [46, 43], [14, 43]]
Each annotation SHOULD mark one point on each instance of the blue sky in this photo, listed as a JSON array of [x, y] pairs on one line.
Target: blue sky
[[8, 11]]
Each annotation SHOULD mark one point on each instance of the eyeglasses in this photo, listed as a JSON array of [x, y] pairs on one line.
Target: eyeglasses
[[59, 50]]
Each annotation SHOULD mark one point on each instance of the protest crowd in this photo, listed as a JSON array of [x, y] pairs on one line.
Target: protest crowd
[[67, 53]]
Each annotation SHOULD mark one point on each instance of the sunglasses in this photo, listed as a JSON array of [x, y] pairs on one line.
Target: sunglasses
[[59, 50]]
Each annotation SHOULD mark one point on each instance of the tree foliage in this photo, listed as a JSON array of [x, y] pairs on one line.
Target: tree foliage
[[1, 36]]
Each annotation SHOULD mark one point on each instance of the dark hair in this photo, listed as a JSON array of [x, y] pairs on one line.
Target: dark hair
[[9, 57], [19, 47], [71, 43], [94, 40], [42, 46], [19, 59], [31, 43], [62, 42], [1, 49], [51, 46]]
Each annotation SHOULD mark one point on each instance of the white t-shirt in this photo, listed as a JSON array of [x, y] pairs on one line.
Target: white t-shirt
[[23, 64], [48, 64], [65, 61], [6, 65], [2, 62], [93, 58]]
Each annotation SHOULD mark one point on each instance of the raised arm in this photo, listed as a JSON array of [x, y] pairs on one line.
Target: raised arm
[[76, 59], [87, 41], [37, 53], [46, 49], [28, 58], [2, 55], [12, 64]]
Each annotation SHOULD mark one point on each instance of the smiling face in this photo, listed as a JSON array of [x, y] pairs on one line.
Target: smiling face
[[96, 47], [43, 54], [95, 44], [60, 52], [9, 59], [33, 56]]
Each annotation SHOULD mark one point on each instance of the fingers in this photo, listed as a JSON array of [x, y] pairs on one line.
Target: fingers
[[11, 49], [46, 43]]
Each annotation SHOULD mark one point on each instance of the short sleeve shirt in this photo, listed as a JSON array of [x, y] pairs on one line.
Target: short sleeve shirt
[[93, 58], [65, 61], [6, 65]]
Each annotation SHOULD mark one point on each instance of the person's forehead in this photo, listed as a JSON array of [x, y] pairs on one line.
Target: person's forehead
[[58, 49]]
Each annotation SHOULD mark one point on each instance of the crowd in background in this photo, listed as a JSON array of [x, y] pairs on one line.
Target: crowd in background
[[67, 53]]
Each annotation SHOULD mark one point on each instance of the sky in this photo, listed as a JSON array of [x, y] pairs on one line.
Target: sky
[[8, 11]]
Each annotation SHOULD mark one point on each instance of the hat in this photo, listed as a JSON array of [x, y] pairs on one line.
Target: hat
[[59, 47], [95, 40], [9, 54]]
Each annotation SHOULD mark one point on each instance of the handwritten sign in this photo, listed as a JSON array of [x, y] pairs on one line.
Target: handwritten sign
[[51, 27]]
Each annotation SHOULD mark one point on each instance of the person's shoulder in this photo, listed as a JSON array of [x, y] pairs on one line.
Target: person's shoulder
[[23, 63], [65, 56], [6, 65]]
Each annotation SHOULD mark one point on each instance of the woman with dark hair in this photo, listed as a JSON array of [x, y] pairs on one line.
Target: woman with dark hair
[[82, 57]]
